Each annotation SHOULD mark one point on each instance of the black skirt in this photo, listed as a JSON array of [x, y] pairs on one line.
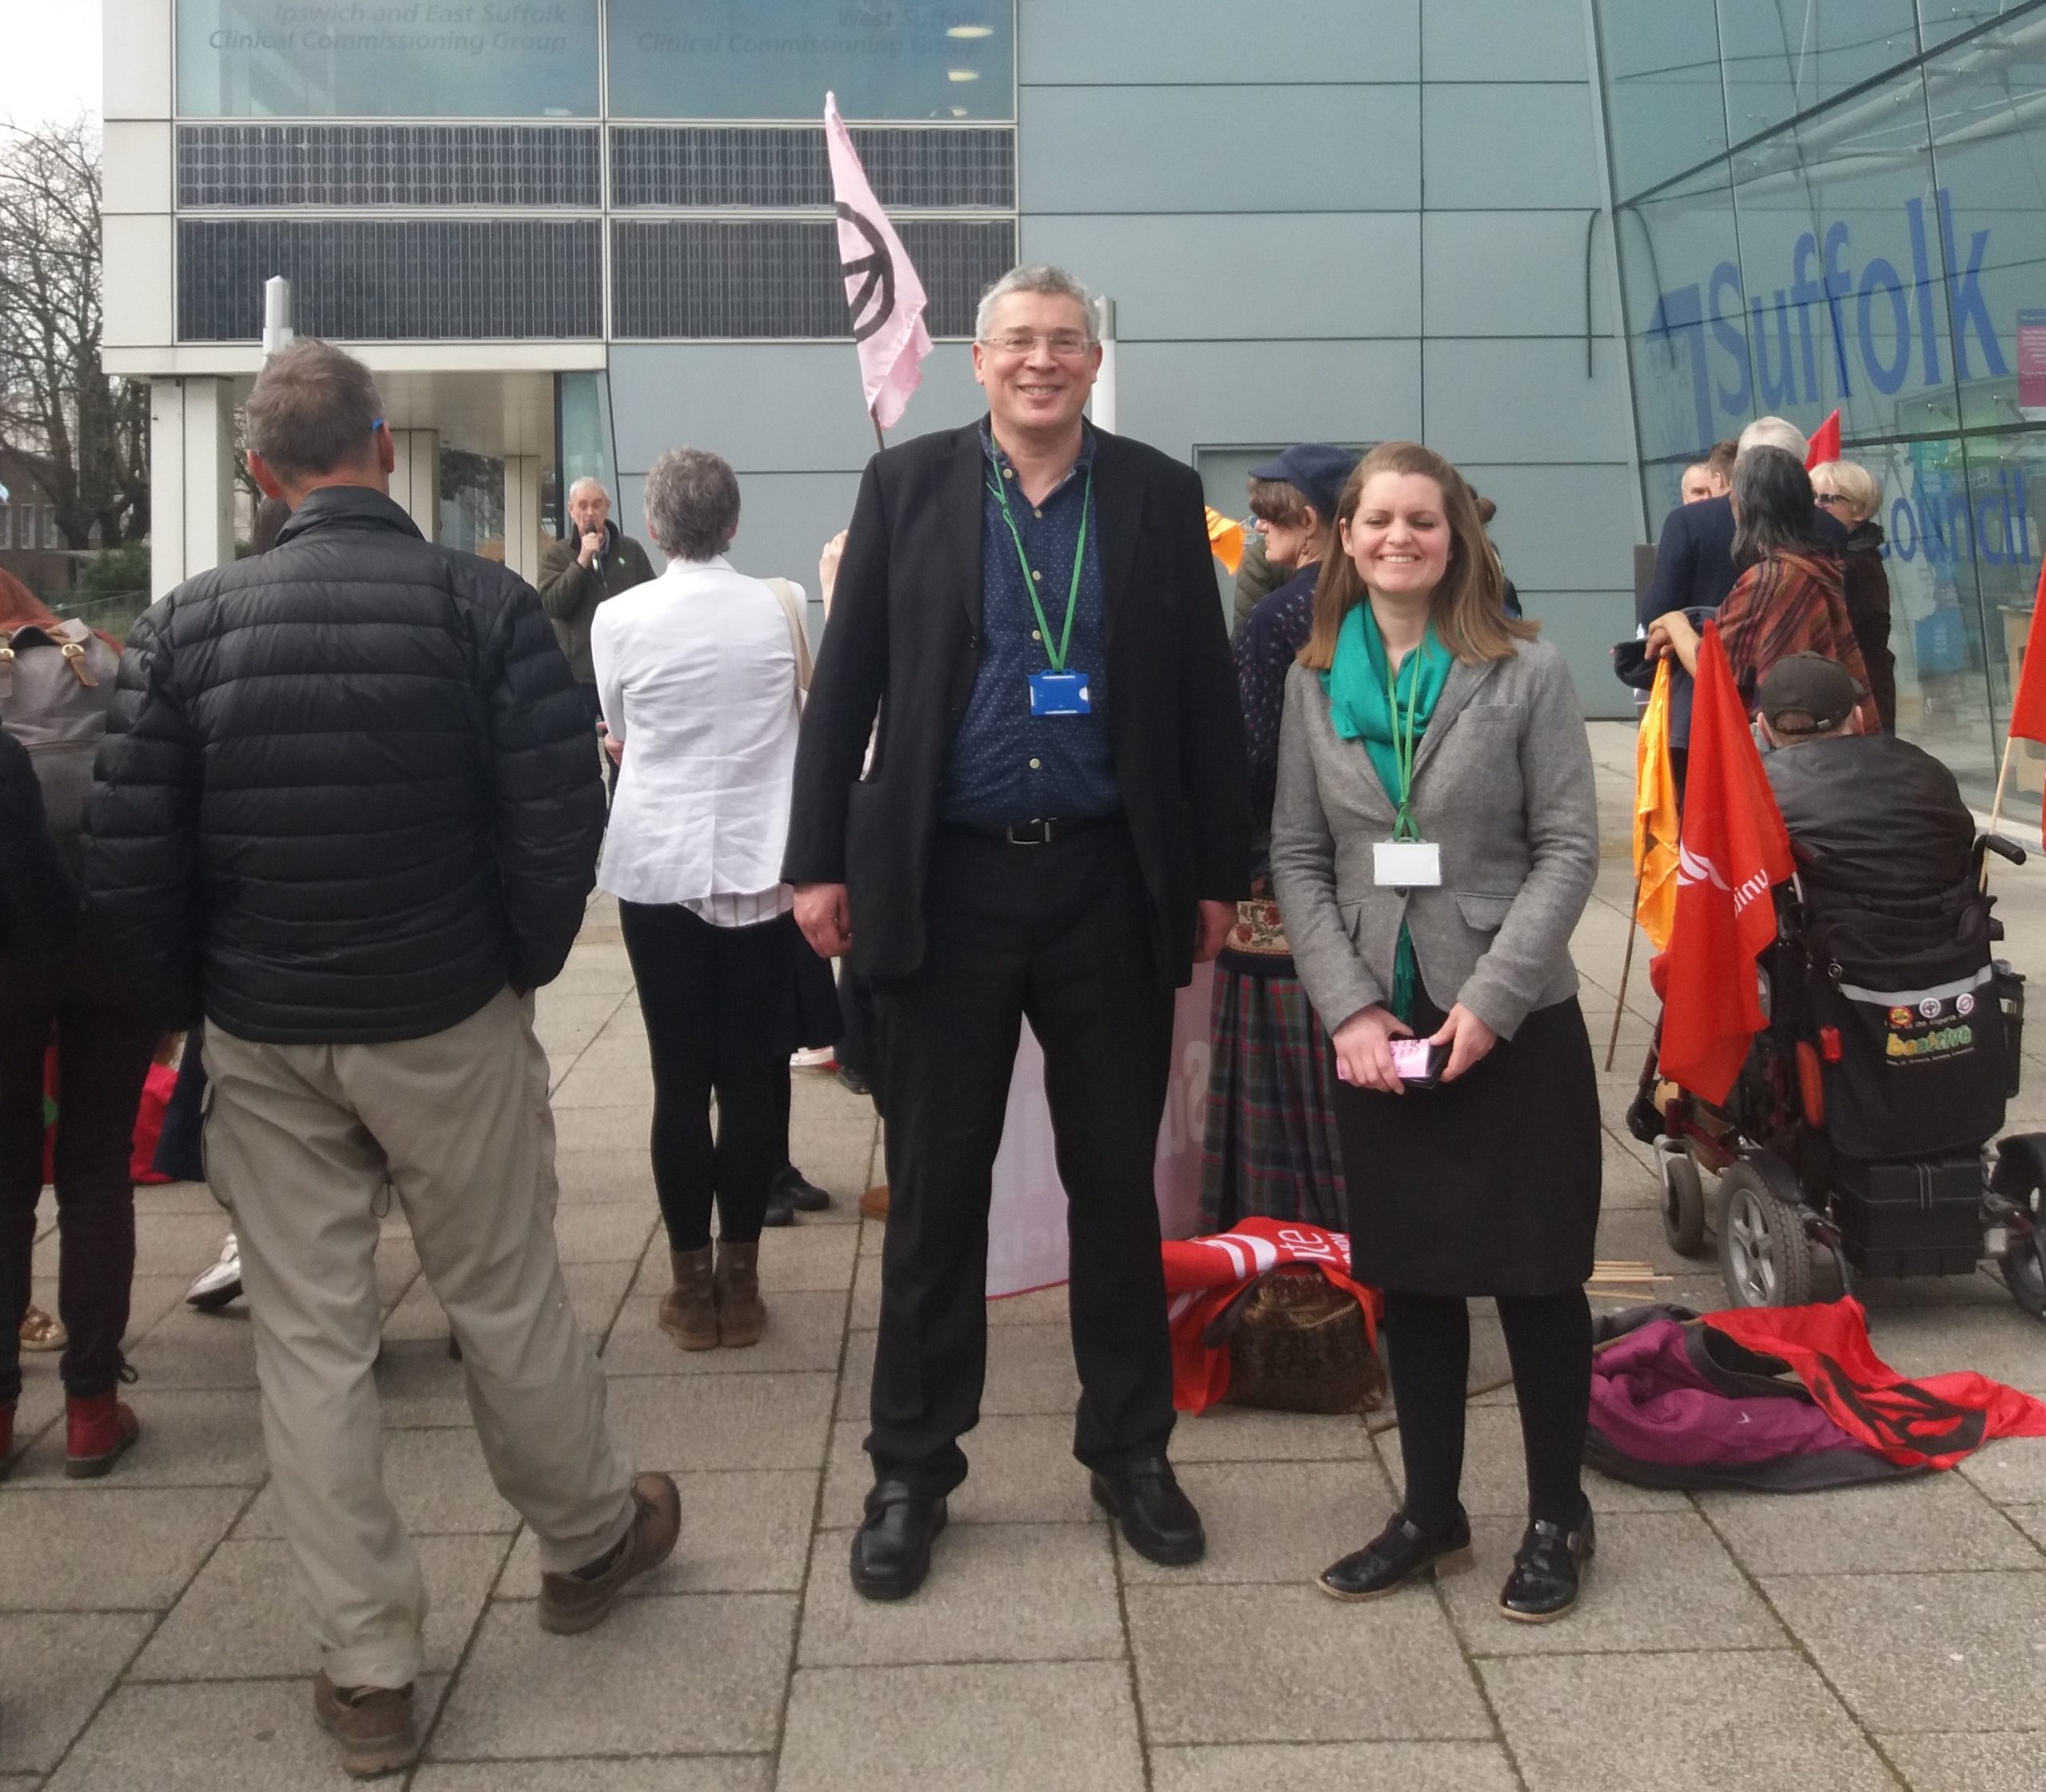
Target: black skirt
[[1487, 1185]]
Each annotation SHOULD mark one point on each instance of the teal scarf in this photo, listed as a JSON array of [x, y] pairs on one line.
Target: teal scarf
[[1361, 700]]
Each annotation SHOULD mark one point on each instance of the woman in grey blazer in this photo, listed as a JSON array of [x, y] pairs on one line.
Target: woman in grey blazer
[[1433, 841]]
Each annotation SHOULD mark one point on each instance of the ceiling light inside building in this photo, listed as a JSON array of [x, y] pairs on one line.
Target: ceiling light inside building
[[962, 75], [971, 31]]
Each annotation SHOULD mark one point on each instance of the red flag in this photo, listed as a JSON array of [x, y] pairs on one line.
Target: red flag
[[2029, 699], [1825, 443], [1733, 849]]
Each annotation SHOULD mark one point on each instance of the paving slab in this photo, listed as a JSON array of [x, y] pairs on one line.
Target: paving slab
[[1660, 1580], [1028, 1726], [1248, 1664], [603, 1232], [242, 1618], [1272, 1524], [188, 1350], [2012, 1471], [1021, 1471], [2032, 1520], [1239, 1434], [724, 1421], [2008, 1760], [58, 1666], [997, 1592], [702, 1673], [1869, 1530], [618, 1173], [803, 1258], [1495, 1471], [1918, 1652], [437, 1480], [68, 1548], [1675, 1723], [220, 1736], [743, 1531], [731, 1773], [1334, 1767]]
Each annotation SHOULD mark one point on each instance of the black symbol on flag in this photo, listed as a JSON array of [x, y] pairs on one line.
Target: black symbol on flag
[[872, 303]]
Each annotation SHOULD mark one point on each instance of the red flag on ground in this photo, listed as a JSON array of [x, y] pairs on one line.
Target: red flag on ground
[[1733, 850], [1824, 444]]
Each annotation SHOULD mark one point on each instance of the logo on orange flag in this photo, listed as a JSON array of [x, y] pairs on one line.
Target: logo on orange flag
[[1734, 850]]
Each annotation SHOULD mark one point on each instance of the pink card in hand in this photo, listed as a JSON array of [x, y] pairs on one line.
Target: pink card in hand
[[1410, 1058]]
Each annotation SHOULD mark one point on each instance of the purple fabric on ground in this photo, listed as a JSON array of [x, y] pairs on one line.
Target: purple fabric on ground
[[1651, 1404]]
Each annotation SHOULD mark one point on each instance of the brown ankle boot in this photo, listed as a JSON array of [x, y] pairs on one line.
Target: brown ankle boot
[[741, 1316], [689, 1310]]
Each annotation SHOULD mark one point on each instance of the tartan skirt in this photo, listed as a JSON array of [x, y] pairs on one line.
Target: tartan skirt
[[1269, 1149]]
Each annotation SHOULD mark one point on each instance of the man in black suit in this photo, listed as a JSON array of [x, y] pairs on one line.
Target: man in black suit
[[1056, 825]]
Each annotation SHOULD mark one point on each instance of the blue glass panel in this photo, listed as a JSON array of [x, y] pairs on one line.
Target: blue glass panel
[[1939, 21], [341, 58], [1665, 111], [1785, 57], [776, 58]]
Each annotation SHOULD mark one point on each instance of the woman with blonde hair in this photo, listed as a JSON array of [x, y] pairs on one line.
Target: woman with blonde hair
[[1852, 496], [1433, 841]]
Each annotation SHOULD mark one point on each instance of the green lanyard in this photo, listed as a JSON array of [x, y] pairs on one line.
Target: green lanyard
[[1403, 826], [1057, 658]]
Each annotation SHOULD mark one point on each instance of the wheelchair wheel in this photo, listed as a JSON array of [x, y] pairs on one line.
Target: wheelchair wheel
[[1683, 1198], [1765, 1257], [2021, 1177]]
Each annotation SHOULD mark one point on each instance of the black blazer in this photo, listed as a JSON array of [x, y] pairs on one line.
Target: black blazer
[[1694, 568], [904, 641]]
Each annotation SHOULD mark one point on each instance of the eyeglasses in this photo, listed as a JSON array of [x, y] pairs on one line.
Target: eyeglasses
[[1067, 344], [1828, 498]]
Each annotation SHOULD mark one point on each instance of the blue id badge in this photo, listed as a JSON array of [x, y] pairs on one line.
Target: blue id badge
[[1059, 694]]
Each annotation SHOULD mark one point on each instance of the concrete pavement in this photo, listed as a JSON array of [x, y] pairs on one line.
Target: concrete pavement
[[149, 1635]]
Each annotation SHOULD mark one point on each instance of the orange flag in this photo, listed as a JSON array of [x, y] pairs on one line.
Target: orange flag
[[1825, 443], [1655, 816], [1733, 851], [1225, 540]]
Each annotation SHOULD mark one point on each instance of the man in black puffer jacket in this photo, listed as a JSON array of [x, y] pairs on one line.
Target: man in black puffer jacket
[[347, 807]]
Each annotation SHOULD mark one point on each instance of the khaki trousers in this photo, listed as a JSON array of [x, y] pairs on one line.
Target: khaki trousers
[[302, 1141]]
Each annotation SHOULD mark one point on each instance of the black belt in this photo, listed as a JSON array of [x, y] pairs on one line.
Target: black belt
[[1041, 832]]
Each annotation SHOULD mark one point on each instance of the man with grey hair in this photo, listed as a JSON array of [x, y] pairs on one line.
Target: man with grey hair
[[347, 808], [1056, 826], [596, 561]]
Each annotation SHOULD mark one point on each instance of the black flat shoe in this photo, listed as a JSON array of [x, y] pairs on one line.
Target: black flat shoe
[[891, 1549], [1547, 1570], [1158, 1521], [798, 1190], [1401, 1552], [781, 1210]]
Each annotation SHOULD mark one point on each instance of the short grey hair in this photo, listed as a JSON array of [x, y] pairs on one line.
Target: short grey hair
[[1776, 433], [692, 504], [312, 410], [586, 483], [1034, 277]]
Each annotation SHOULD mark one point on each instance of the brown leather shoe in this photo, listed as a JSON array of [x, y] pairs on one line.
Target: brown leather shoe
[[575, 1601], [689, 1310], [742, 1314], [97, 1431], [874, 1204], [372, 1724]]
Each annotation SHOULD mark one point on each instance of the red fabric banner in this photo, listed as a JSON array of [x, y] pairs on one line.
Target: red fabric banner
[[1733, 850], [2028, 700], [1824, 444]]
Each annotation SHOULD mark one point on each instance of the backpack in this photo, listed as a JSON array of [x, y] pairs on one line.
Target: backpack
[[55, 685]]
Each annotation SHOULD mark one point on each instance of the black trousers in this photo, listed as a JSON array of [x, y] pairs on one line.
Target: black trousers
[[1548, 1339], [713, 999], [1058, 934], [103, 1051]]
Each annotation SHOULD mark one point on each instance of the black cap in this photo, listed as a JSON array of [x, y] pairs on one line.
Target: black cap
[[1315, 470], [1808, 685]]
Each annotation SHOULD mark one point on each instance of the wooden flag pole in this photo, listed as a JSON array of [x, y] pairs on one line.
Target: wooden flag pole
[[880, 440], [1997, 802], [1627, 968]]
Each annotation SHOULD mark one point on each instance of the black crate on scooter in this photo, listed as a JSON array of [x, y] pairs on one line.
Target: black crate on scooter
[[1912, 1218]]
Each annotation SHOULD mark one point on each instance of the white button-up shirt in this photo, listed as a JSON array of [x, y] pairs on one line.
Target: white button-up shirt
[[697, 673]]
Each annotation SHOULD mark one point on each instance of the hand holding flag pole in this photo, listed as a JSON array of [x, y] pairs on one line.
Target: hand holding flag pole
[[885, 299]]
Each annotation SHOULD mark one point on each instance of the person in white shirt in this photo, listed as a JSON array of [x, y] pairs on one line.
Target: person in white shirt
[[697, 672]]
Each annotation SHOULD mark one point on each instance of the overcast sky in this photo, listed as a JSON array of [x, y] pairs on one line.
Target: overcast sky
[[51, 67]]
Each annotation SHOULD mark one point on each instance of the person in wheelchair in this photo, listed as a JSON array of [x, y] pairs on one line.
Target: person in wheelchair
[[1871, 815]]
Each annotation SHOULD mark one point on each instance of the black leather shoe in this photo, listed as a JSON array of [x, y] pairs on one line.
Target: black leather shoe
[[1546, 1571], [798, 1190], [1158, 1520], [780, 1210], [891, 1549], [1401, 1552]]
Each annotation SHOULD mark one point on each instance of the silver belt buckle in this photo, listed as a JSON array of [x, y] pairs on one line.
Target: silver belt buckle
[[1029, 834]]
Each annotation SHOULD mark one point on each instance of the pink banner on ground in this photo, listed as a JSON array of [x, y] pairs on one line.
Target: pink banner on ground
[[1026, 1224]]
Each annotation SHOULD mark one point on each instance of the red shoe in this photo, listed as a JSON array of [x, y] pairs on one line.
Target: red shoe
[[97, 1430]]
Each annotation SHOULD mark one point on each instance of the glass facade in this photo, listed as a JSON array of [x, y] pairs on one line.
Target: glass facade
[[1845, 205]]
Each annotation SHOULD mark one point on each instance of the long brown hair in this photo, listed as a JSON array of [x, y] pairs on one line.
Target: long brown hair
[[1467, 608]]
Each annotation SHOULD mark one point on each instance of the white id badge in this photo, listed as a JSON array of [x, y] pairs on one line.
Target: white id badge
[[1406, 864]]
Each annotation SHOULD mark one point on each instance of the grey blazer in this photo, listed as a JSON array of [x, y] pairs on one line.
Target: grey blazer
[[1503, 784]]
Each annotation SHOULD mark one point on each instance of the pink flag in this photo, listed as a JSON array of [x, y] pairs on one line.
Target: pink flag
[[883, 291]]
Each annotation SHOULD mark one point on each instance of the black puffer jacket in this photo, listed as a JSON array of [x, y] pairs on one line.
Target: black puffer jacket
[[348, 791]]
